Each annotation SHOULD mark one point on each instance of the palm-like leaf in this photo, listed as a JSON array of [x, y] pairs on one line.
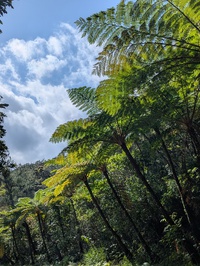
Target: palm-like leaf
[[84, 99], [69, 176], [161, 28]]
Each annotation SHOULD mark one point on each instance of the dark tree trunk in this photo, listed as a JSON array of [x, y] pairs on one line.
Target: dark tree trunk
[[195, 140], [171, 164], [59, 218], [148, 250], [78, 228], [188, 245], [43, 236], [30, 242], [146, 184], [126, 251], [15, 246], [187, 210]]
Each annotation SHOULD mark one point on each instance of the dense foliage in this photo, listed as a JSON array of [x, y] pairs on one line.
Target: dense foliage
[[125, 190]]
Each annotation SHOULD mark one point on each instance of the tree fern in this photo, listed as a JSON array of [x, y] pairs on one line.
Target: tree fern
[[70, 175], [133, 27]]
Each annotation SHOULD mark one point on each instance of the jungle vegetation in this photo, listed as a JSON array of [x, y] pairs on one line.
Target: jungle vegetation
[[126, 189]]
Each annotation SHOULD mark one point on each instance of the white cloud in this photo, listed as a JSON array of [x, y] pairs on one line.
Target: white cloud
[[55, 46], [26, 119], [44, 66], [8, 69], [40, 71], [23, 50]]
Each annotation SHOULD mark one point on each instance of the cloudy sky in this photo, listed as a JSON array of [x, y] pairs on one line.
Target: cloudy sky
[[41, 55]]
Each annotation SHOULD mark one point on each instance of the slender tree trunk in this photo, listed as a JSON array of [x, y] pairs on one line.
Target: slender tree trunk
[[15, 247], [196, 143], [171, 164], [127, 252], [148, 250], [9, 259], [60, 257], [30, 242], [146, 184], [59, 218], [78, 228], [186, 209], [43, 236], [187, 242]]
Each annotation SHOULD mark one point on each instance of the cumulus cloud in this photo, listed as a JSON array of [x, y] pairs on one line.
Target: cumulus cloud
[[55, 46], [23, 50], [45, 66], [7, 69], [34, 76]]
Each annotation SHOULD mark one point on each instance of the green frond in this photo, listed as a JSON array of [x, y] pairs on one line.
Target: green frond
[[39, 195], [120, 13], [22, 218], [102, 26], [26, 201], [103, 153], [114, 93], [70, 130], [4, 229], [72, 168], [51, 181], [110, 15], [108, 94], [127, 14], [82, 133], [59, 160], [84, 99], [60, 188], [59, 177], [133, 28], [68, 176], [59, 199]]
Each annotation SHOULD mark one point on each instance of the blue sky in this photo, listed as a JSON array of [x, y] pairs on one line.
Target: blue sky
[[42, 54]]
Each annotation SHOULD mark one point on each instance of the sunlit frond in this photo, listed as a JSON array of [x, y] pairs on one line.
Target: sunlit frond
[[84, 99], [136, 27]]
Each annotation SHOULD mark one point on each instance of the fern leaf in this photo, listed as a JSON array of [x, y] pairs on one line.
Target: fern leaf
[[84, 99], [133, 27], [70, 130]]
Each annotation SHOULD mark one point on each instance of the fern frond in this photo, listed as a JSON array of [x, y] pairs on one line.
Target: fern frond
[[70, 130], [133, 28], [84, 99], [61, 187]]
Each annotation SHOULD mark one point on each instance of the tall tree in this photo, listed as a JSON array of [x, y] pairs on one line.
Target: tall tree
[[26, 207], [73, 174], [150, 36], [135, 118]]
